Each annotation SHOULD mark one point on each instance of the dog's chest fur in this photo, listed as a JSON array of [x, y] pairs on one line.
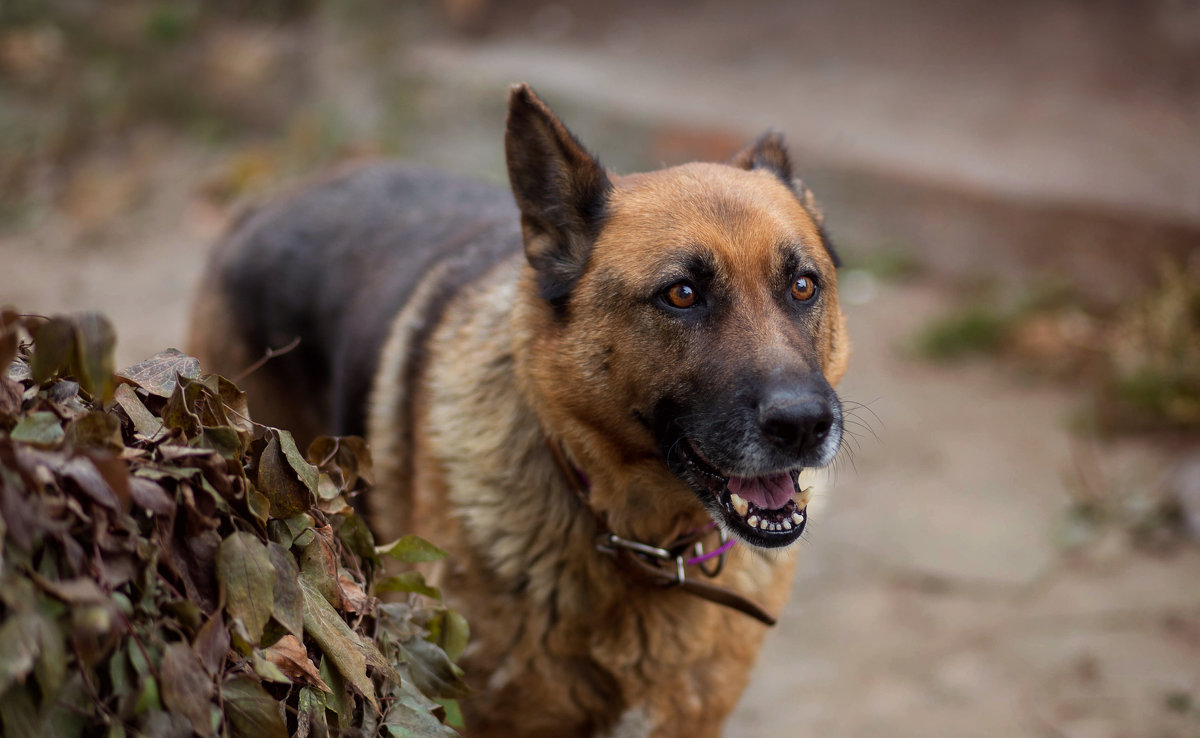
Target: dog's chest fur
[[559, 636]]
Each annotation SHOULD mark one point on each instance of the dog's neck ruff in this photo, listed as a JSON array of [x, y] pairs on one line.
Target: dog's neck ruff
[[664, 566]]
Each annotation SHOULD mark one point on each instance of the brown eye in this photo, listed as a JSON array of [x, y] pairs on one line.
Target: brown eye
[[681, 295], [803, 289]]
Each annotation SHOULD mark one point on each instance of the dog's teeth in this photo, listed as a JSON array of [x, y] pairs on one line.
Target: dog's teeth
[[797, 518], [765, 525], [803, 496], [752, 521], [739, 504], [787, 524]]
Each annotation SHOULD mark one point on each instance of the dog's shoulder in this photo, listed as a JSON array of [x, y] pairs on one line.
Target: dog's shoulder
[[335, 260]]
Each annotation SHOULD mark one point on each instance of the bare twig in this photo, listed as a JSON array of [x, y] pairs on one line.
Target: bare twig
[[91, 688], [271, 354]]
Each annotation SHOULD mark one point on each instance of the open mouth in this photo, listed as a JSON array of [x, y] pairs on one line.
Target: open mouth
[[768, 510]]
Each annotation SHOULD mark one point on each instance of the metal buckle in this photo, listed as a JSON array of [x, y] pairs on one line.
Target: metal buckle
[[699, 551], [611, 542]]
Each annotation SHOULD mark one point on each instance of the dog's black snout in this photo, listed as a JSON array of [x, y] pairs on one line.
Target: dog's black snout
[[795, 421]]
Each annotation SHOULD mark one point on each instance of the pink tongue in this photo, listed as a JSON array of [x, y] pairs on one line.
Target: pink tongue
[[769, 493]]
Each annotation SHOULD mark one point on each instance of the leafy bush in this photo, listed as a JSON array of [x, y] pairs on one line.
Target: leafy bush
[[1139, 364], [170, 567], [1154, 364], [974, 329]]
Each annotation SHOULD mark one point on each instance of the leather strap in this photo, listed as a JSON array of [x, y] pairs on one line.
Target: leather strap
[[637, 567], [650, 570]]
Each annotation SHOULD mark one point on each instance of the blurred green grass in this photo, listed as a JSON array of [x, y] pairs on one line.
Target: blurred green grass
[[1138, 364]]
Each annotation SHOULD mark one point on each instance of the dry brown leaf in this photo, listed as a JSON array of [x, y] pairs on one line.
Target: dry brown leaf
[[354, 599], [157, 374], [145, 423], [289, 656]]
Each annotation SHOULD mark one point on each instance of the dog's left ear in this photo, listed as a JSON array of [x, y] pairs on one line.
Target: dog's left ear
[[560, 188], [770, 153]]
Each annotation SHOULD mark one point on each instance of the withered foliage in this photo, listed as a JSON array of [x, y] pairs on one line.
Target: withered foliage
[[171, 568]]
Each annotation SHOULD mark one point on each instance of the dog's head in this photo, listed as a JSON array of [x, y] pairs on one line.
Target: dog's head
[[690, 313]]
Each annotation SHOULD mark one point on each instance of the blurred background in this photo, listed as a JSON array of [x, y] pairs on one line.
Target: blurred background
[[1011, 543]]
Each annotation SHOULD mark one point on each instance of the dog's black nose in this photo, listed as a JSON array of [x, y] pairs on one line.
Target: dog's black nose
[[795, 421]]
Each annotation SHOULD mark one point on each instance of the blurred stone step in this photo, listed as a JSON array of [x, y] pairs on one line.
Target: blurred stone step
[[1066, 184]]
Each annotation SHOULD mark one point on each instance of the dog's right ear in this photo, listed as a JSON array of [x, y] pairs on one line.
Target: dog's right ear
[[560, 188], [769, 153]]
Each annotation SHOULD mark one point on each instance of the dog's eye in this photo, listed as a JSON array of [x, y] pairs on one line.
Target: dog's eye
[[681, 295], [803, 289]]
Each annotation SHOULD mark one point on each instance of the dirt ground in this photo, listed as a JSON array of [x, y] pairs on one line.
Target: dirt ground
[[946, 586]]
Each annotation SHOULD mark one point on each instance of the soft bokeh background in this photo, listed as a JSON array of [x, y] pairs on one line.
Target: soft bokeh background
[[1010, 543]]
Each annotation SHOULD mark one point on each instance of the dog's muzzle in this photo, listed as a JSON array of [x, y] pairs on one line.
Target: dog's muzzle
[[745, 467]]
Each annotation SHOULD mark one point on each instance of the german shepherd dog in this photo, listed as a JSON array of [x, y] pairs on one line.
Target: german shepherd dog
[[579, 397]]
